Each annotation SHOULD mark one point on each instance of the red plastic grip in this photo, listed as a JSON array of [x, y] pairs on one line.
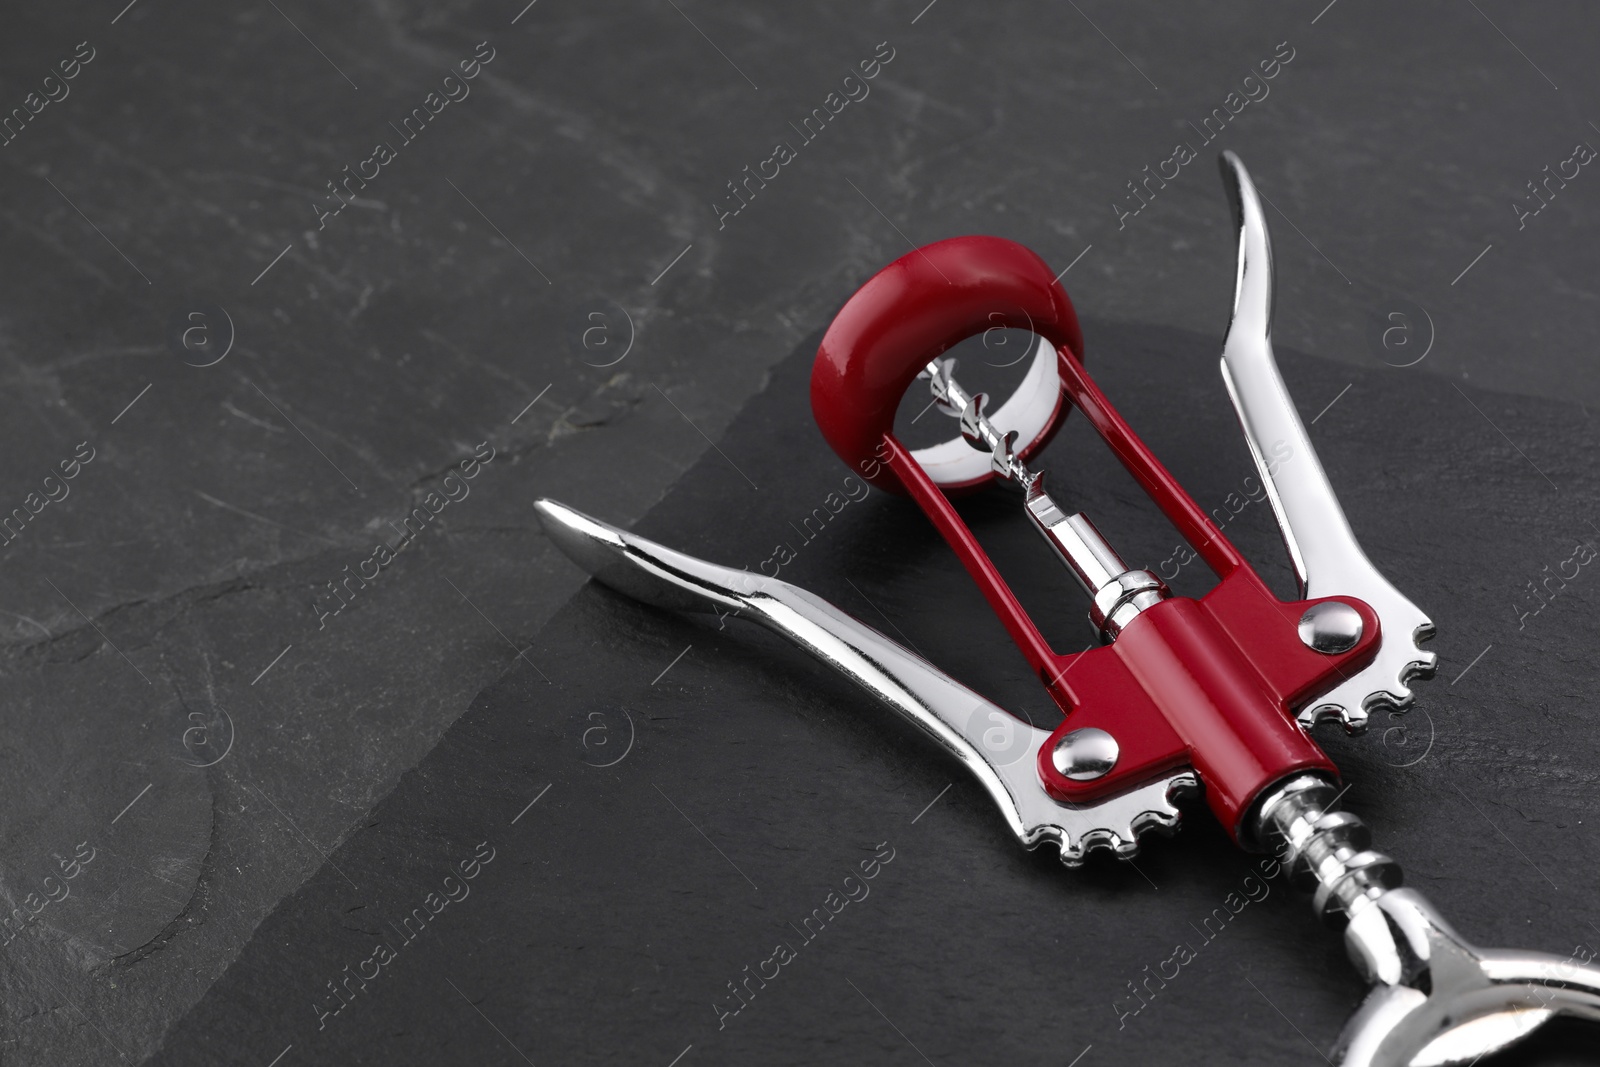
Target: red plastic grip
[[911, 311]]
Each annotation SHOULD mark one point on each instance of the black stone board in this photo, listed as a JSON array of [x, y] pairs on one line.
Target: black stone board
[[745, 782]]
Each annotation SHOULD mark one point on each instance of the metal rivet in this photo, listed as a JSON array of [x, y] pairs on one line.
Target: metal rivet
[[1330, 627], [1086, 754]]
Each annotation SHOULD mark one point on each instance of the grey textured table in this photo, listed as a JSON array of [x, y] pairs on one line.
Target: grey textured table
[[546, 267]]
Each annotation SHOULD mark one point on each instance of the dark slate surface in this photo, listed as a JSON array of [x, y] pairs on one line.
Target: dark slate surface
[[510, 254], [745, 782]]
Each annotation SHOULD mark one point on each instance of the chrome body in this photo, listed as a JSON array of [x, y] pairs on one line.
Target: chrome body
[[1436, 998], [999, 749], [1326, 556]]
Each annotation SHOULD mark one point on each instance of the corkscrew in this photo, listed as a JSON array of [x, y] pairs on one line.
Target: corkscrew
[[1215, 695]]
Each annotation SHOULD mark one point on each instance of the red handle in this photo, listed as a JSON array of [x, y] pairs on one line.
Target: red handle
[[911, 311]]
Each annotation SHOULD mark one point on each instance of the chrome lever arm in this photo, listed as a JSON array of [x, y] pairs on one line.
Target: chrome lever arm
[[1326, 556], [999, 749]]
